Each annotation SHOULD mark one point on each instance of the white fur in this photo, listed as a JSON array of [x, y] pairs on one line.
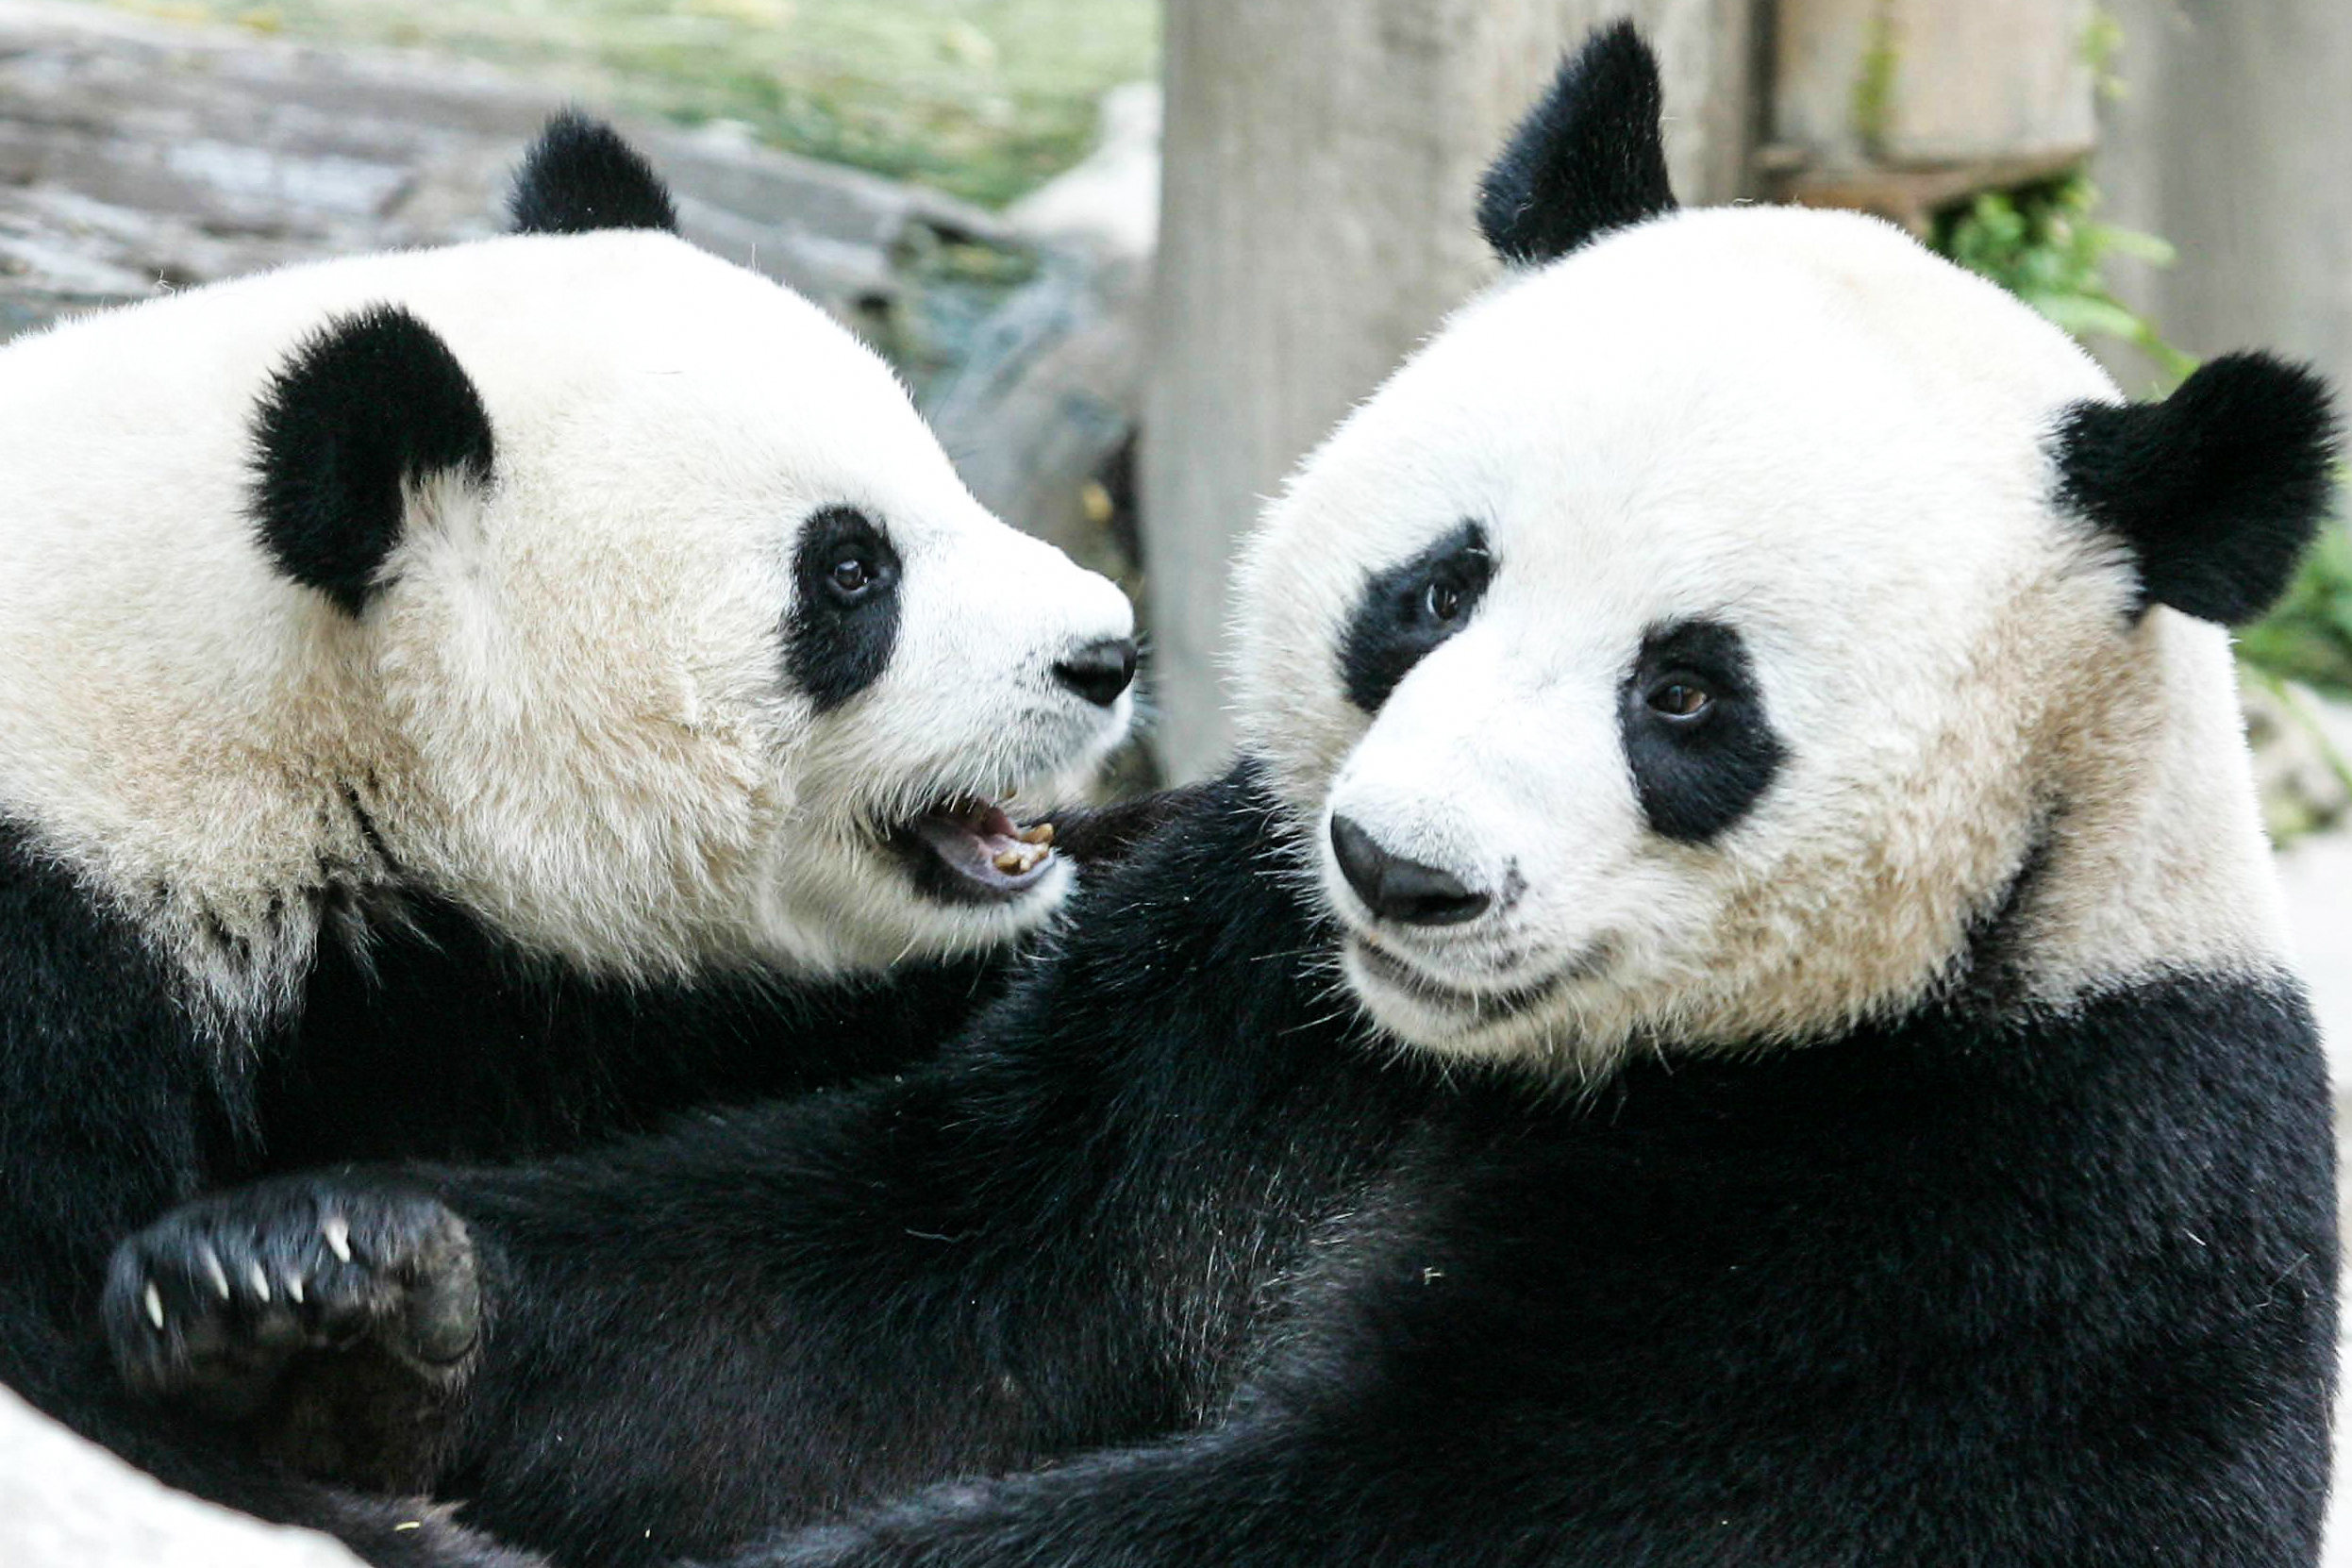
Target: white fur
[[1803, 423], [567, 706]]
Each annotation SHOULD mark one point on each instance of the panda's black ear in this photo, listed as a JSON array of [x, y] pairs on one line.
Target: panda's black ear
[[580, 175], [359, 413], [1589, 158], [2216, 489]]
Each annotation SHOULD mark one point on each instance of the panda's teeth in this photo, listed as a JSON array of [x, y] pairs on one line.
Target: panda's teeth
[[1012, 862], [1041, 834]]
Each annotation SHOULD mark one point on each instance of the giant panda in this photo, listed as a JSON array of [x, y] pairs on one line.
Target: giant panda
[[1730, 1010], [474, 701]]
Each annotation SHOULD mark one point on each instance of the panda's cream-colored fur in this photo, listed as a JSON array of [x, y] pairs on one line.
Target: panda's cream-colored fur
[[1803, 425], [566, 707]]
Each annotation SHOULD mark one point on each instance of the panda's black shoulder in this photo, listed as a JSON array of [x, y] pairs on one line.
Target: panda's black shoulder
[[94, 1052], [1209, 893], [2123, 1207]]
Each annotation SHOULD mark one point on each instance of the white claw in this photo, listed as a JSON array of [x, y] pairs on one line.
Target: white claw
[[260, 1282], [338, 1231], [155, 1304], [213, 1271], [294, 1289]]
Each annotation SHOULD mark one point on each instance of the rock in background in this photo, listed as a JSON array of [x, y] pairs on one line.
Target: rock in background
[[138, 156], [66, 1504], [2303, 762]]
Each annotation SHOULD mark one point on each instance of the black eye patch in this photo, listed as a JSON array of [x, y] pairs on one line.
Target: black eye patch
[[1697, 739], [845, 619], [1408, 609]]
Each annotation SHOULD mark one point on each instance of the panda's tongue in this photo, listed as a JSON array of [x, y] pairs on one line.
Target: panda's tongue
[[976, 840]]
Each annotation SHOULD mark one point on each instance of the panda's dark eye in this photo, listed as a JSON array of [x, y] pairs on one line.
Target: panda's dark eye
[[1680, 699], [851, 576], [1698, 742], [843, 622], [1409, 609]]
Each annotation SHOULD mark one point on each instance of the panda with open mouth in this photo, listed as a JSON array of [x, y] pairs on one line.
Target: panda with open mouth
[[480, 701], [1731, 1012]]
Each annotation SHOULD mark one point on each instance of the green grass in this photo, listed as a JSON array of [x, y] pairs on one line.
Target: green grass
[[2309, 637], [2046, 245], [982, 98]]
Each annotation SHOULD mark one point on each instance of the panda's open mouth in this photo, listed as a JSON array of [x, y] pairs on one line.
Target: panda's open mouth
[[967, 848]]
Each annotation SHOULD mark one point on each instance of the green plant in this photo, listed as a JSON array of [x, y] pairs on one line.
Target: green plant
[[2102, 41], [2309, 637], [1872, 103], [985, 99], [2045, 245]]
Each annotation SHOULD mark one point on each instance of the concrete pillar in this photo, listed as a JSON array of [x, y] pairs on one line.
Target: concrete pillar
[[1322, 160]]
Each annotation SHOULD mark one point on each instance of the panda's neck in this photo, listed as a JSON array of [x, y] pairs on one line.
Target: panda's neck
[[2153, 859], [439, 1037]]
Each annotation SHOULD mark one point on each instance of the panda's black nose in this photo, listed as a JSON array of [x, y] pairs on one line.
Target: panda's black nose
[[1397, 889], [1099, 670]]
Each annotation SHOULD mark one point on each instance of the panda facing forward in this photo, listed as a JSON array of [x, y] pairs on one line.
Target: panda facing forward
[[1729, 1012], [471, 701]]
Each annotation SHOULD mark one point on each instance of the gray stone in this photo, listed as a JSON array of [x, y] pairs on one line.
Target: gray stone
[[2229, 140], [138, 156], [2302, 756], [2316, 875], [1042, 412], [65, 1503]]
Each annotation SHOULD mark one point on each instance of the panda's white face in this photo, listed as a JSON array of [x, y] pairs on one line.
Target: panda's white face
[[1686, 647], [726, 549], [710, 661]]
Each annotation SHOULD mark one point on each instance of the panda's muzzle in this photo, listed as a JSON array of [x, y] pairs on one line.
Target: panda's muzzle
[[967, 849]]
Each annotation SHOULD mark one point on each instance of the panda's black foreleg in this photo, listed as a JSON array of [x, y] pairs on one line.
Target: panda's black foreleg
[[337, 1320], [1274, 1491]]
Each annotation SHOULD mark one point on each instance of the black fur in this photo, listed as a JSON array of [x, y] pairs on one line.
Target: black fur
[[1167, 1264], [1395, 626], [1696, 776], [579, 176], [2216, 490], [394, 1283], [1591, 156], [433, 1038], [111, 1110], [373, 403], [838, 639]]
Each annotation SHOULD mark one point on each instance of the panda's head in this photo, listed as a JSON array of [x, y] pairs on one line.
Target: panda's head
[[685, 639], [1739, 624]]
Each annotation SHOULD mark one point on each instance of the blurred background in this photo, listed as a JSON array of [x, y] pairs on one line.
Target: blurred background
[[1126, 363]]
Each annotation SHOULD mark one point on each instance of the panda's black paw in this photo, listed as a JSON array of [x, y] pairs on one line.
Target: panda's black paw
[[212, 1304]]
